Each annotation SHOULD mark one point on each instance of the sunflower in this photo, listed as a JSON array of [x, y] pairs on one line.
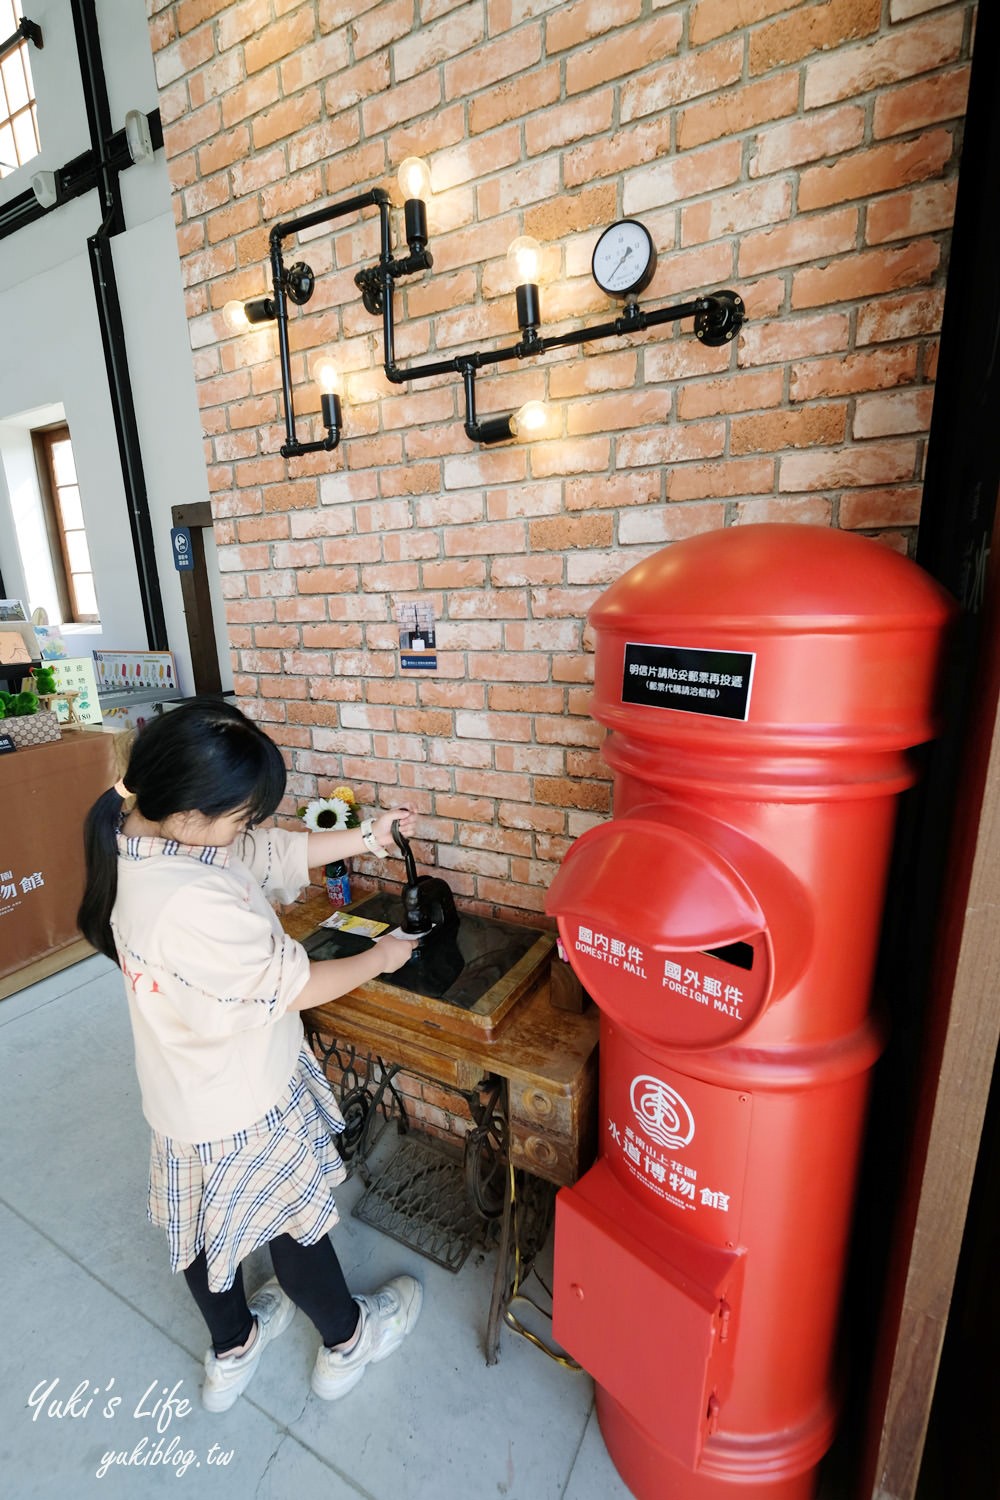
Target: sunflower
[[330, 814]]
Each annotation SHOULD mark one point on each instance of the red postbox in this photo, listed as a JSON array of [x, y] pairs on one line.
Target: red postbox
[[761, 686]]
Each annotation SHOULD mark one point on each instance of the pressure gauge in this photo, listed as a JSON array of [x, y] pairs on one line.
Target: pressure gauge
[[624, 259]]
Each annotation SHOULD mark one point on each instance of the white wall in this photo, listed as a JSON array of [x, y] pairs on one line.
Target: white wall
[[51, 342]]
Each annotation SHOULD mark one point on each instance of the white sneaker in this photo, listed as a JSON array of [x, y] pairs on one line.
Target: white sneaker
[[226, 1379], [386, 1318]]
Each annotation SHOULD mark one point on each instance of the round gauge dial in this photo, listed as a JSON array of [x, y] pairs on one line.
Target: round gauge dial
[[624, 259]]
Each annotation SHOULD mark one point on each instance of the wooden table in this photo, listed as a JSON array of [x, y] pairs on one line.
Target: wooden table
[[545, 1059]]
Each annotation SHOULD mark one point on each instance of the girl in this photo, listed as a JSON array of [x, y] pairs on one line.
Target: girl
[[242, 1117]]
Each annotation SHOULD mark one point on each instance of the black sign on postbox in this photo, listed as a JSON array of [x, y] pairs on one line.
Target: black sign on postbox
[[689, 679]]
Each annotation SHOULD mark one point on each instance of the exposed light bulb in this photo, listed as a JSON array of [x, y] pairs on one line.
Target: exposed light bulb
[[530, 419], [414, 178], [327, 376], [235, 318], [524, 258]]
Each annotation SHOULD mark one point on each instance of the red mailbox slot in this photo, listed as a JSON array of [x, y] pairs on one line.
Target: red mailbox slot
[[761, 686]]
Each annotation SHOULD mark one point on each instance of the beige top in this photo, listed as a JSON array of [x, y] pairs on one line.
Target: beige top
[[209, 975]]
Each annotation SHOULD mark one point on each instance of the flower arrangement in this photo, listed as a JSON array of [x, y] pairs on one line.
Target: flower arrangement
[[333, 813]]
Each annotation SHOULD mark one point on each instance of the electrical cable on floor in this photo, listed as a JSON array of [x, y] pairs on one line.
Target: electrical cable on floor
[[517, 1295]]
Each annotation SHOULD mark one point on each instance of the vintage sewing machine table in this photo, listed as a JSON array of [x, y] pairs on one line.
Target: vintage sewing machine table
[[527, 1070]]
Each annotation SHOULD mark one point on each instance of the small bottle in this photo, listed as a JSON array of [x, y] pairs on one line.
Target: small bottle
[[338, 884]]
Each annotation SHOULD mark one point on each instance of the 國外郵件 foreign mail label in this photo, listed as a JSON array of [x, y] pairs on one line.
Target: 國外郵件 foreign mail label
[[688, 679], [361, 926]]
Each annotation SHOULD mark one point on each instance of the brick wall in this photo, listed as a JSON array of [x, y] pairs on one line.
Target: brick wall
[[805, 154]]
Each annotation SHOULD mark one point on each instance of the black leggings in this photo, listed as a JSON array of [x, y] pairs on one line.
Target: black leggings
[[309, 1274]]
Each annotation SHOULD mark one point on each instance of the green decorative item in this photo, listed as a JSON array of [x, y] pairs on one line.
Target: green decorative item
[[22, 704], [44, 680]]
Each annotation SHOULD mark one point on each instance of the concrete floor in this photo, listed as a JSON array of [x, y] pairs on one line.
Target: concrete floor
[[90, 1307]]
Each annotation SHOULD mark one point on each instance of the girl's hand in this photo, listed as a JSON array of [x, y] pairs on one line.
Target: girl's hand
[[393, 953], [382, 825]]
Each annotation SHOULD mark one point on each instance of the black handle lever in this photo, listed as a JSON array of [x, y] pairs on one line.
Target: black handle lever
[[403, 845]]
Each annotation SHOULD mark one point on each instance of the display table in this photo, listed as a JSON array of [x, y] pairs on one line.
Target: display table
[[46, 792], [544, 1059]]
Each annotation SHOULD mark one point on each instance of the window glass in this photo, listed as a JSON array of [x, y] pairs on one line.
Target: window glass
[[68, 544], [18, 122]]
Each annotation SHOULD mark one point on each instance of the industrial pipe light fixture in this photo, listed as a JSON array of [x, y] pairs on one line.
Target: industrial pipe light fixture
[[623, 265]]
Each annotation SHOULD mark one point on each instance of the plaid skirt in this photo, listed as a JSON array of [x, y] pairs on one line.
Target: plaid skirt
[[233, 1195]]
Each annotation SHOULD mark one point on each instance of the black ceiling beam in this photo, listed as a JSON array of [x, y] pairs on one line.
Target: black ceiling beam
[[79, 176]]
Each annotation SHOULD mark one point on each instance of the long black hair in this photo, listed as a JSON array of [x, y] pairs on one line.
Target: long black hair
[[202, 756]]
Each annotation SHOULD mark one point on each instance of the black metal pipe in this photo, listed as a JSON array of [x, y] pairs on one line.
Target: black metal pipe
[[95, 94], [27, 31], [110, 319], [127, 432], [325, 215]]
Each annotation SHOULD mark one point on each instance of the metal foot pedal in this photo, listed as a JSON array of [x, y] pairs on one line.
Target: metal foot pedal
[[419, 1199]]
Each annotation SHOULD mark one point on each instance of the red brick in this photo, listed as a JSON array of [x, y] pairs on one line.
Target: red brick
[[217, 78], [811, 510], [613, 413], [808, 139], [899, 55], [866, 274], [670, 524], [240, 21], [747, 476], [670, 445], [191, 129], [571, 25], [562, 124], [682, 177], [877, 170], [866, 509], [380, 27], [514, 99], [911, 106], [919, 211], [416, 97], [438, 42], [672, 83], [492, 62], [735, 212], [884, 415], [773, 432], [816, 238], [852, 372], [816, 28], [710, 398], [792, 338], [901, 317], [712, 18], [868, 463], [277, 40], [602, 61], [738, 110], [183, 57]]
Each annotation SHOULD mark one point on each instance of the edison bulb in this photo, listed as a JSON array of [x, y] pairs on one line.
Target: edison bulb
[[414, 178], [235, 318], [326, 375], [524, 258], [530, 419]]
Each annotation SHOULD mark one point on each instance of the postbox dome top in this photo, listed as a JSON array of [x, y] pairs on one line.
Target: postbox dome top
[[744, 576]]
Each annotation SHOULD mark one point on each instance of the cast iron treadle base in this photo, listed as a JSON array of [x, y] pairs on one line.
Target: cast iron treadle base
[[419, 1199]]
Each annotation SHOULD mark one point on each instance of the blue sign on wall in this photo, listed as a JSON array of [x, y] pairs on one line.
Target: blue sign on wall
[[180, 542]]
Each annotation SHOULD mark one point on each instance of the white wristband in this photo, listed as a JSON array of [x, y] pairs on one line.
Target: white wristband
[[371, 843]]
